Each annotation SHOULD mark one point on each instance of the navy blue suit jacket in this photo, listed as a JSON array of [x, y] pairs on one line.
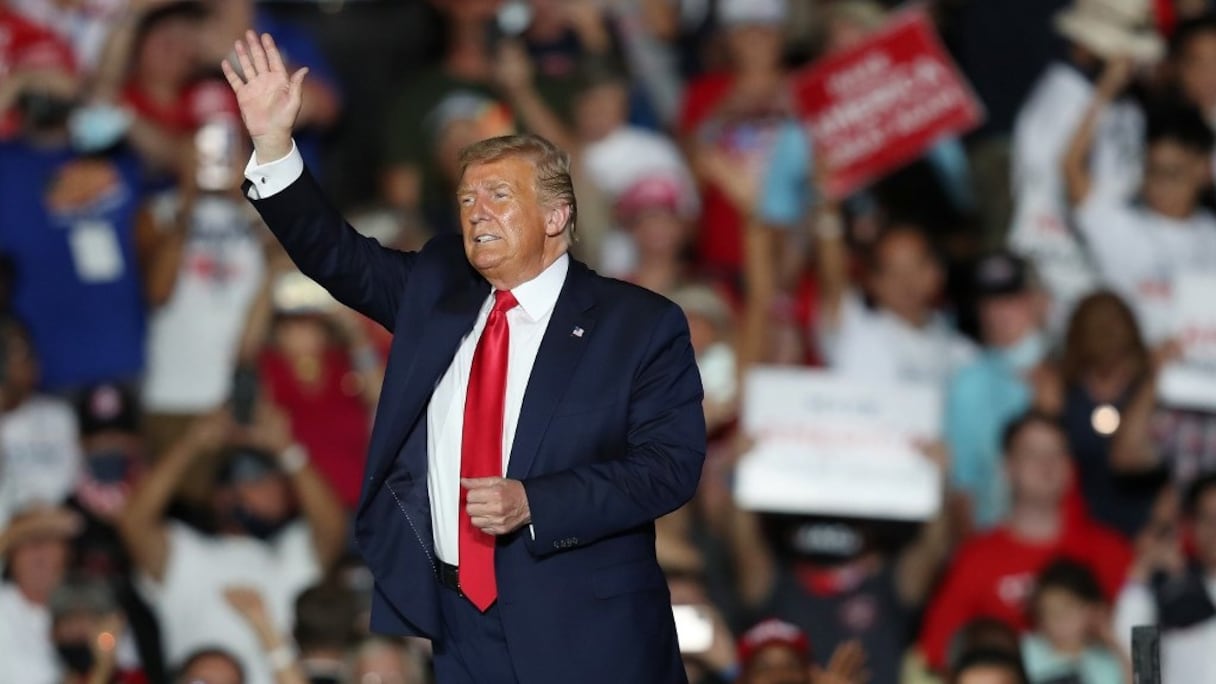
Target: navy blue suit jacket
[[611, 436]]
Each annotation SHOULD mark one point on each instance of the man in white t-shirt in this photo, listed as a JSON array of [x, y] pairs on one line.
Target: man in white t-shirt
[[1140, 247], [1099, 34], [901, 337], [183, 573], [40, 459], [35, 548]]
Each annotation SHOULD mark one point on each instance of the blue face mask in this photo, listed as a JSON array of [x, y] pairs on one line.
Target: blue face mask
[[1026, 353], [97, 127], [108, 467]]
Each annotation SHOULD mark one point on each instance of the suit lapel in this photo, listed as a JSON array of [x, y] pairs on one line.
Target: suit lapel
[[453, 318], [560, 351]]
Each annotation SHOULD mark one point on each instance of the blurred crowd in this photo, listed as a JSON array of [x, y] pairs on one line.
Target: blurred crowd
[[185, 416]]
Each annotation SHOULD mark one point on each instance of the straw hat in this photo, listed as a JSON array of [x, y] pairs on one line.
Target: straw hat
[[1113, 28]]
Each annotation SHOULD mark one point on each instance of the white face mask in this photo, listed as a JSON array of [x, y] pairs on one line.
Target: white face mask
[[1027, 352]]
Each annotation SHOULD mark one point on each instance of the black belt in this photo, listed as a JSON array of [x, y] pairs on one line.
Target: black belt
[[448, 575]]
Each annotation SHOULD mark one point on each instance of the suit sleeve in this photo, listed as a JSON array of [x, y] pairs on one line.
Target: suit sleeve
[[661, 467], [356, 270]]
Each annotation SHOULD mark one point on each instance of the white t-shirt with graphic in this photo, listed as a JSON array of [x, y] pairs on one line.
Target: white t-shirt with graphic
[[27, 654], [1040, 229], [876, 346], [193, 337], [189, 603], [1138, 254], [40, 458]]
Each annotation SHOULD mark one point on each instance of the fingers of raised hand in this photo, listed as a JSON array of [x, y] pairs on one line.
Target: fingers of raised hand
[[274, 59], [256, 52]]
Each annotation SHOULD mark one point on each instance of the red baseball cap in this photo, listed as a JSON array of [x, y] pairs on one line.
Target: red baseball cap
[[656, 192], [772, 632], [26, 45]]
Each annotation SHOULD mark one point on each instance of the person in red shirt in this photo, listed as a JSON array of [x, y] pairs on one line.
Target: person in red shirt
[[728, 124], [993, 573], [321, 368]]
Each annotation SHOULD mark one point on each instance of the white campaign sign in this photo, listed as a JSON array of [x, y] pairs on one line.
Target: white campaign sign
[[830, 446], [1191, 382]]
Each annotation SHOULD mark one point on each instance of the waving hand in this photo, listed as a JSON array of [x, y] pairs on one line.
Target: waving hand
[[269, 97]]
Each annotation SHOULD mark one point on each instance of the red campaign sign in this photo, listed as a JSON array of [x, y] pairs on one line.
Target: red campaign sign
[[881, 104]]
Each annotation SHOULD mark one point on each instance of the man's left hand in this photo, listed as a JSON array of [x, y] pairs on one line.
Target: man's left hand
[[496, 505]]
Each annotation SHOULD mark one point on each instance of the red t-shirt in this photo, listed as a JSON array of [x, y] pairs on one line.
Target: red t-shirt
[[993, 576], [329, 419], [747, 140], [192, 106]]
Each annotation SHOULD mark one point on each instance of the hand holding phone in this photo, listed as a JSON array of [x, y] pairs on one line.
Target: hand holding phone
[[694, 628]]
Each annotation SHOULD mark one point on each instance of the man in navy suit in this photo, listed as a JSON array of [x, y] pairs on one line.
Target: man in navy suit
[[536, 418]]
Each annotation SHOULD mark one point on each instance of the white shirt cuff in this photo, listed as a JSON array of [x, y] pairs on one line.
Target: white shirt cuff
[[532, 531], [273, 177]]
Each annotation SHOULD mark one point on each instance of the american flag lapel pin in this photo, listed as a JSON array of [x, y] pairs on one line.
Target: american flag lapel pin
[[577, 332]]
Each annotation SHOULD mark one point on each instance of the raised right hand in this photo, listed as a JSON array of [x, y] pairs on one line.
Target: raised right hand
[[268, 97]]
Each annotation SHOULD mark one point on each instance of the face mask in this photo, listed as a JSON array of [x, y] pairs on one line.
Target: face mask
[[1026, 353], [108, 467], [256, 525], [76, 655], [42, 112], [97, 127]]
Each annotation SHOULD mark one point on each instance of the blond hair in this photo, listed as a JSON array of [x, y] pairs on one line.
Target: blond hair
[[554, 185]]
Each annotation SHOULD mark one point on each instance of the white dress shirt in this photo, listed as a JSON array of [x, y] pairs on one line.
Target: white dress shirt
[[445, 414]]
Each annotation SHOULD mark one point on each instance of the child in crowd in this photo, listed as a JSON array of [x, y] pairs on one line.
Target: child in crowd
[[1069, 641], [1142, 246]]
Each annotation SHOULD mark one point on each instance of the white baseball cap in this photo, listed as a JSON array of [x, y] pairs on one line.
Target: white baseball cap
[[765, 12]]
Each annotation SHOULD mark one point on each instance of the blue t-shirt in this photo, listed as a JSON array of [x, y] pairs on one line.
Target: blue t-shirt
[[78, 286], [981, 400]]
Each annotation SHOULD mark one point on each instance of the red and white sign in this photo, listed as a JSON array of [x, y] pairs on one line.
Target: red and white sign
[[881, 104], [826, 445]]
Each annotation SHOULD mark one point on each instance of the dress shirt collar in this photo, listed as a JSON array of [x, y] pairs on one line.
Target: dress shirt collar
[[538, 296]]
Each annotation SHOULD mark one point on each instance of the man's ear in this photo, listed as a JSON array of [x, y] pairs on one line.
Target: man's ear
[[556, 218]]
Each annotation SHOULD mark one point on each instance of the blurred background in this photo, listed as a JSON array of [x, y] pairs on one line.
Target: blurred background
[[185, 416]]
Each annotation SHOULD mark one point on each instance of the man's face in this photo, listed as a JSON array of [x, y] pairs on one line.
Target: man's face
[[1174, 178], [509, 237], [1204, 525], [170, 52], [38, 566], [212, 669], [755, 46], [601, 110], [1038, 464], [659, 233], [1197, 72], [778, 664], [1006, 319], [988, 674], [907, 278]]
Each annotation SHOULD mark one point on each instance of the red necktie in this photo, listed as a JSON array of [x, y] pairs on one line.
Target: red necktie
[[481, 446]]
